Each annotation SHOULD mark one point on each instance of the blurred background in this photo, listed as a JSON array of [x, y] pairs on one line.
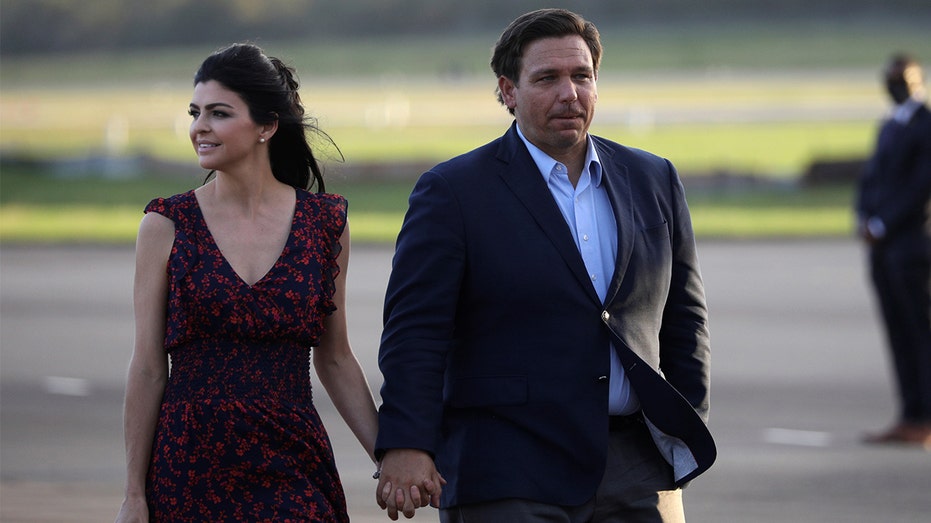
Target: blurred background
[[740, 95], [768, 109]]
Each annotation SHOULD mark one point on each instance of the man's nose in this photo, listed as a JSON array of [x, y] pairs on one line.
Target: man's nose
[[568, 92]]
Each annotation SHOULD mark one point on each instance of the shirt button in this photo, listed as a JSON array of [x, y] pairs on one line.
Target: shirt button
[[594, 277], [585, 237]]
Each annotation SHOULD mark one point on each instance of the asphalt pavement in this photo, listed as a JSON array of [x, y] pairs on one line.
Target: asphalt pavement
[[799, 373]]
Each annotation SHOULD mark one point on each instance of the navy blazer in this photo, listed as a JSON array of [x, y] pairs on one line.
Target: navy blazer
[[495, 350], [896, 184]]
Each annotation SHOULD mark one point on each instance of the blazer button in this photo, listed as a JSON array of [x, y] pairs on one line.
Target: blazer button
[[605, 316], [602, 379]]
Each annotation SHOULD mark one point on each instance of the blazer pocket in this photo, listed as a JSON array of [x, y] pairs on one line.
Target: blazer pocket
[[488, 391], [658, 231]]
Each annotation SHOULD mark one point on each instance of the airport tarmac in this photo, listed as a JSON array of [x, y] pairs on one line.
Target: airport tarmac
[[799, 373]]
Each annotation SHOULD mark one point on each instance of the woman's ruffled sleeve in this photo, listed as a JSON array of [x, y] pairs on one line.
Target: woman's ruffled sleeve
[[157, 205], [333, 209]]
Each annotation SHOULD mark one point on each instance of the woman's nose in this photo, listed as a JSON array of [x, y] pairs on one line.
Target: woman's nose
[[198, 125]]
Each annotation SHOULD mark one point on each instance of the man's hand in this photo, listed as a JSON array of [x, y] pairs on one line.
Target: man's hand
[[408, 481], [872, 230]]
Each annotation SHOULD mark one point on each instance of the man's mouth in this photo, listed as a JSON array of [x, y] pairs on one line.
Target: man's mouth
[[567, 116]]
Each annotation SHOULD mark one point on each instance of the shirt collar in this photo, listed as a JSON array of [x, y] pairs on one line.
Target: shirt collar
[[903, 112], [546, 164]]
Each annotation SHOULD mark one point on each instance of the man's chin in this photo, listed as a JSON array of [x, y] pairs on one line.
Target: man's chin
[[569, 137]]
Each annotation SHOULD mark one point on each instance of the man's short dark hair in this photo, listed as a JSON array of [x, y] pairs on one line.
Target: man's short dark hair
[[532, 26]]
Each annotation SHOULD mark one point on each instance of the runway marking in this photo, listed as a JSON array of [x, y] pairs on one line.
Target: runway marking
[[67, 386], [801, 438]]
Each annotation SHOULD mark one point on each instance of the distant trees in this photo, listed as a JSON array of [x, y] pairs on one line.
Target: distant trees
[[62, 25], [40, 26]]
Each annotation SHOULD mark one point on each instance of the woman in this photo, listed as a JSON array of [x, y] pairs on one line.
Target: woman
[[235, 282]]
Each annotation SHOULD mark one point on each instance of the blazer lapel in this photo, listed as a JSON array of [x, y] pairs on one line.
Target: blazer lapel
[[523, 178], [617, 183]]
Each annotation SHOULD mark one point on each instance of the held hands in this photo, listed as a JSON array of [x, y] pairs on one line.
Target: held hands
[[408, 480]]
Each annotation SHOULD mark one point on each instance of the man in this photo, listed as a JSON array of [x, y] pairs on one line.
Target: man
[[894, 217], [545, 346]]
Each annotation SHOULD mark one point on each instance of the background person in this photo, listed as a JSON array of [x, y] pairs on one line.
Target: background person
[[235, 282], [894, 219], [546, 344]]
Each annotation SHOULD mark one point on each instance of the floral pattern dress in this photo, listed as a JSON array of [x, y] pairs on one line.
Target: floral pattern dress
[[238, 436]]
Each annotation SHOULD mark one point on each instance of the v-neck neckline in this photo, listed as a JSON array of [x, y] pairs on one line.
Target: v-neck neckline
[[284, 249]]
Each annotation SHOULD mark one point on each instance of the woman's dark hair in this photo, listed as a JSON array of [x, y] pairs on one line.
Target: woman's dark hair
[[532, 26], [269, 88]]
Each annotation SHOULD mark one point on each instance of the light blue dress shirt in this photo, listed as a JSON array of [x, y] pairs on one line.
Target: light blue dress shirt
[[588, 213]]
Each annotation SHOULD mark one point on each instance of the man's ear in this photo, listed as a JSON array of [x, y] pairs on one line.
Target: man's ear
[[507, 88]]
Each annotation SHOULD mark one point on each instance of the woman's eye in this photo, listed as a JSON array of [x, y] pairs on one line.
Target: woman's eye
[[194, 114]]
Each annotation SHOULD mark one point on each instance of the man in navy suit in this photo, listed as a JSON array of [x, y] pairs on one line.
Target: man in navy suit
[[894, 217], [546, 348]]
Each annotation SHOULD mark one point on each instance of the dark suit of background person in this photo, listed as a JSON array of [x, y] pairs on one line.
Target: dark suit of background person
[[894, 213], [496, 348]]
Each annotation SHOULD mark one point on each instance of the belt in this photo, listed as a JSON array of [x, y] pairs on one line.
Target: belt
[[618, 423]]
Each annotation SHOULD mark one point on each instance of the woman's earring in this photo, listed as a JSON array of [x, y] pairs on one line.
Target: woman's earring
[[261, 140]]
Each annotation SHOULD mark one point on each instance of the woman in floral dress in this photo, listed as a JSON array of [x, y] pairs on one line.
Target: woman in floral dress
[[236, 283]]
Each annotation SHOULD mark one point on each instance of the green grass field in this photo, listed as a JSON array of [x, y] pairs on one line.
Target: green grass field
[[37, 207]]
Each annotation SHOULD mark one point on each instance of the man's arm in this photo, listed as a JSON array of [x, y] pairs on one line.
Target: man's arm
[[685, 346], [912, 189], [420, 310]]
